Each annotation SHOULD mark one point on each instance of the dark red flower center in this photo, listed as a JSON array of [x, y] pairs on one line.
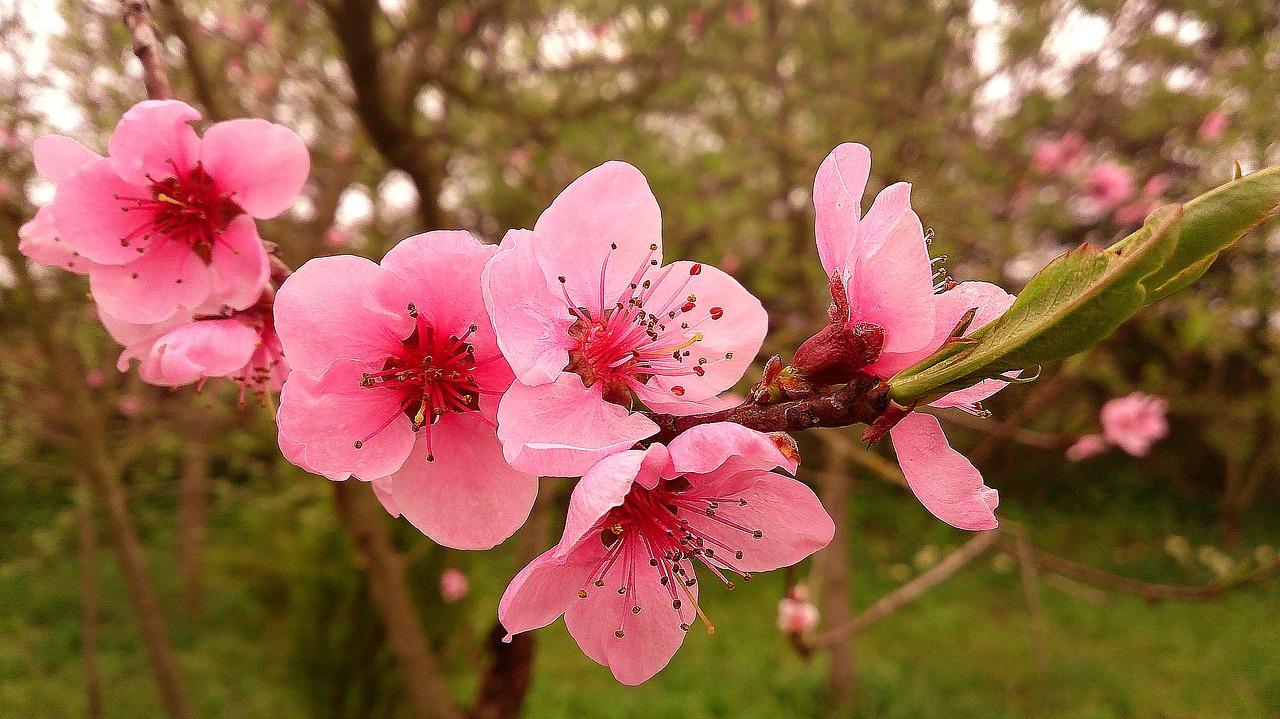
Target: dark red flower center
[[186, 207]]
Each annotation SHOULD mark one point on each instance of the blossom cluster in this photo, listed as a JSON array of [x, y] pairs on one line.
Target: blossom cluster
[[452, 374]]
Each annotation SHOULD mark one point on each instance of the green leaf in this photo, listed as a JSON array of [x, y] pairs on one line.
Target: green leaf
[[1084, 295]]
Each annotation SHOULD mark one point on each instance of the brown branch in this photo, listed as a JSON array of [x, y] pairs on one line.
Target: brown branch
[[832, 564], [910, 591], [428, 693], [193, 516], [861, 401], [218, 103], [146, 46]]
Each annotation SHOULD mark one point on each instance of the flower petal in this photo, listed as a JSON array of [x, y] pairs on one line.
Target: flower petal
[[328, 414], [532, 325], [382, 490], [154, 138], [264, 164], [891, 285], [38, 239], [606, 486], [240, 265], [57, 157], [724, 447], [942, 479], [561, 429], [197, 350], [469, 497], [341, 307], [92, 221], [837, 202], [546, 587], [167, 279]]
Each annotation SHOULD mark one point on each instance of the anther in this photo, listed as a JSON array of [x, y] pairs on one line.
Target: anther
[[582, 594], [619, 633], [677, 391], [635, 610], [359, 444], [696, 269]]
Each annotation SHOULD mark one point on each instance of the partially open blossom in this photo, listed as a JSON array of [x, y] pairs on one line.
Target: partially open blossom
[[1135, 422], [1108, 185], [881, 262], [454, 585], [1087, 447], [641, 520], [395, 377], [591, 320], [1060, 156], [796, 613], [1214, 126], [167, 217]]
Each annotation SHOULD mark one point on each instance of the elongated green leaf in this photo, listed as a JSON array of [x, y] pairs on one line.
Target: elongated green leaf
[[1084, 295]]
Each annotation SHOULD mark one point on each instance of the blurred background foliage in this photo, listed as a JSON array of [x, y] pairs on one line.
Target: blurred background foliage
[[474, 114]]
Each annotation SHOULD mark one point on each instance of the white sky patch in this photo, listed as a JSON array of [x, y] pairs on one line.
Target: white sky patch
[[355, 207], [397, 195]]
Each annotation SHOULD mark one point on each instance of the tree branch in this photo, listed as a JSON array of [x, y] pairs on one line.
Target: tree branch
[[146, 46]]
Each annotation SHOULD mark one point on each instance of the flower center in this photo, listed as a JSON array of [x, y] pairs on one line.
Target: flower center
[[434, 375], [651, 329], [186, 208], [653, 526]]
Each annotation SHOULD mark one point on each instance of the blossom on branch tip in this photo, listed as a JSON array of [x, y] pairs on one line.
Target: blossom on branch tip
[[167, 217], [395, 378], [797, 614], [639, 522], [591, 321], [1135, 422], [880, 262]]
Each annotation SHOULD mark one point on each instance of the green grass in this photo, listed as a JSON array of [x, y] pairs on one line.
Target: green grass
[[287, 631]]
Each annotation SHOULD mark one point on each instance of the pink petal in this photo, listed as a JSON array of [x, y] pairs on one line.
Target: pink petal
[[167, 279], [890, 204], [546, 587], [837, 201], [382, 490], [341, 307], [57, 157], [561, 429], [739, 332], [724, 448], [153, 138], [892, 285], [38, 239], [789, 516], [423, 260], [240, 265], [329, 414], [92, 221], [650, 638], [137, 339], [531, 323], [942, 479], [197, 350], [949, 307], [602, 488], [611, 204], [469, 497], [264, 164]]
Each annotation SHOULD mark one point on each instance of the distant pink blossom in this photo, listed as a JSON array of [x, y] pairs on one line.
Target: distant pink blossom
[[638, 522], [454, 586], [1214, 126], [130, 405], [797, 615], [743, 14], [1087, 447], [95, 378], [1135, 422], [1152, 192], [1061, 156], [395, 378], [880, 262], [1108, 185], [167, 216], [337, 237], [591, 321]]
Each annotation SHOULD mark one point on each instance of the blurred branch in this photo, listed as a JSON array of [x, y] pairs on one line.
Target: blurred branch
[[146, 46], [90, 617], [217, 102], [833, 565], [910, 591]]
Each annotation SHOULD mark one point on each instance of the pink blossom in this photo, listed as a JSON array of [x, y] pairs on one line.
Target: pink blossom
[[638, 522], [167, 217], [182, 350], [1137, 211], [337, 237], [590, 321], [796, 613], [95, 378], [881, 262], [1135, 422], [1214, 126], [743, 14], [1108, 185], [130, 405], [1087, 447], [453, 585], [1061, 156], [395, 377]]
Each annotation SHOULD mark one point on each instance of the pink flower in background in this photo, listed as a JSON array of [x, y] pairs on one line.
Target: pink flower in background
[[743, 14], [796, 613], [881, 262], [638, 522], [130, 406], [454, 586], [1135, 422], [337, 237], [395, 377], [1214, 126], [1137, 211], [1061, 156], [1108, 185], [1087, 447], [95, 378], [168, 215], [590, 319]]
